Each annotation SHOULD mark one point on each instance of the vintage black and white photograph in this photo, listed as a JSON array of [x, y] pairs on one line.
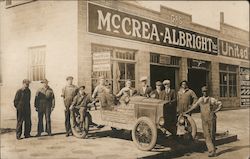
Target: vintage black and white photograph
[[124, 79]]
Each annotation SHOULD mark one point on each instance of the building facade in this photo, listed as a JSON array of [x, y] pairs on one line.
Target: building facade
[[121, 41]]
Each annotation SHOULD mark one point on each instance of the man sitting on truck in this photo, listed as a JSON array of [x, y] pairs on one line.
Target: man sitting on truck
[[126, 92]]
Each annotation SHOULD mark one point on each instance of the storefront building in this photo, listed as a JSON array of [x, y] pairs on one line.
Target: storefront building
[[121, 41]]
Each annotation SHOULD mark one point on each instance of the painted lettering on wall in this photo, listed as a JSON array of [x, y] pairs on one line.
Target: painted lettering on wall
[[234, 50], [114, 23]]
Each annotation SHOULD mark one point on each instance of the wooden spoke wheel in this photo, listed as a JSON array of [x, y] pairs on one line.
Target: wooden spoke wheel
[[144, 134], [79, 130]]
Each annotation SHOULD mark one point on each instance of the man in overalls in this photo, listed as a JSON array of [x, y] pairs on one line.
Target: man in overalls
[[208, 107], [44, 104], [68, 94]]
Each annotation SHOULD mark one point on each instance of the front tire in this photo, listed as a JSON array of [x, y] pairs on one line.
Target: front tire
[[76, 130], [144, 134]]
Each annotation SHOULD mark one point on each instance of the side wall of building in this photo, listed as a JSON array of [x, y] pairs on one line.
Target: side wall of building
[[40, 23]]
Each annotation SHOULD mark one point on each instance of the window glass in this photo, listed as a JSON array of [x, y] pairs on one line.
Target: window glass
[[130, 71], [228, 80], [122, 68], [37, 63]]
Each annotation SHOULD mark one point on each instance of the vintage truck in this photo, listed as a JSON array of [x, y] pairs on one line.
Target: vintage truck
[[145, 117]]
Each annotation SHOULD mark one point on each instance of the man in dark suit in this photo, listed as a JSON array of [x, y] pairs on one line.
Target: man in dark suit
[[169, 95], [22, 105], [156, 93], [145, 89]]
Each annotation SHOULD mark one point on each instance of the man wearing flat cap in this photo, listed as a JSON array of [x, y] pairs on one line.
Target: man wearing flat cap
[[156, 93], [169, 95], [145, 89], [44, 104], [22, 105], [68, 94], [208, 107]]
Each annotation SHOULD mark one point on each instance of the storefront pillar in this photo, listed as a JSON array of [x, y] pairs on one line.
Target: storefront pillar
[[214, 80], [183, 73], [142, 65]]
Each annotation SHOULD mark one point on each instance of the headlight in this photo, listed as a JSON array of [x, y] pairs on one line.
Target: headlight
[[161, 121]]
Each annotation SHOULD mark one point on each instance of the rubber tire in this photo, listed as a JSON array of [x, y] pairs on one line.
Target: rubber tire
[[193, 125], [86, 127], [154, 134]]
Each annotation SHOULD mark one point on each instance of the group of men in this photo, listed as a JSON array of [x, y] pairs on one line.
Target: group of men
[[44, 105], [75, 97], [186, 101]]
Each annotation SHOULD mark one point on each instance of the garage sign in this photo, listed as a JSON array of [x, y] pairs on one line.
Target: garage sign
[[106, 21]]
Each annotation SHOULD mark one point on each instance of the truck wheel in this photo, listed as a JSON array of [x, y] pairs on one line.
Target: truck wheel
[[75, 126], [191, 126], [144, 134]]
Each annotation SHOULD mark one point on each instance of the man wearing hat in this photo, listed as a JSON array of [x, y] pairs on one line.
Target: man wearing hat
[[68, 93], [169, 95], [44, 104], [208, 107], [145, 89], [22, 105], [156, 93], [79, 104]]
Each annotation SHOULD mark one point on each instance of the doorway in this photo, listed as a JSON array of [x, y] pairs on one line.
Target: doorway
[[197, 78], [161, 73]]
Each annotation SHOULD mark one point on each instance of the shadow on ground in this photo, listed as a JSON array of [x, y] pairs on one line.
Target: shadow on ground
[[233, 148], [167, 147], [6, 130]]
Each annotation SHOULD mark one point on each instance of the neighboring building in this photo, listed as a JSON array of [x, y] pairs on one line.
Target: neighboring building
[[121, 41]]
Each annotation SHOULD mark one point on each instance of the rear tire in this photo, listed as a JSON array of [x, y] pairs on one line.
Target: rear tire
[[144, 134]]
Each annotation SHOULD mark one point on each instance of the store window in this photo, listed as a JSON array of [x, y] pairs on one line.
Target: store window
[[121, 62], [37, 63], [228, 80]]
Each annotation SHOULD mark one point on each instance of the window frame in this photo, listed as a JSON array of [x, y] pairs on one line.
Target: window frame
[[34, 67], [114, 59], [227, 72]]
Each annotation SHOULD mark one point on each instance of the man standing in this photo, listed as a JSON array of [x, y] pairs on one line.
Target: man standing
[[169, 96], [44, 104], [22, 104], [185, 97], [208, 107], [68, 93], [145, 89], [156, 93]]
